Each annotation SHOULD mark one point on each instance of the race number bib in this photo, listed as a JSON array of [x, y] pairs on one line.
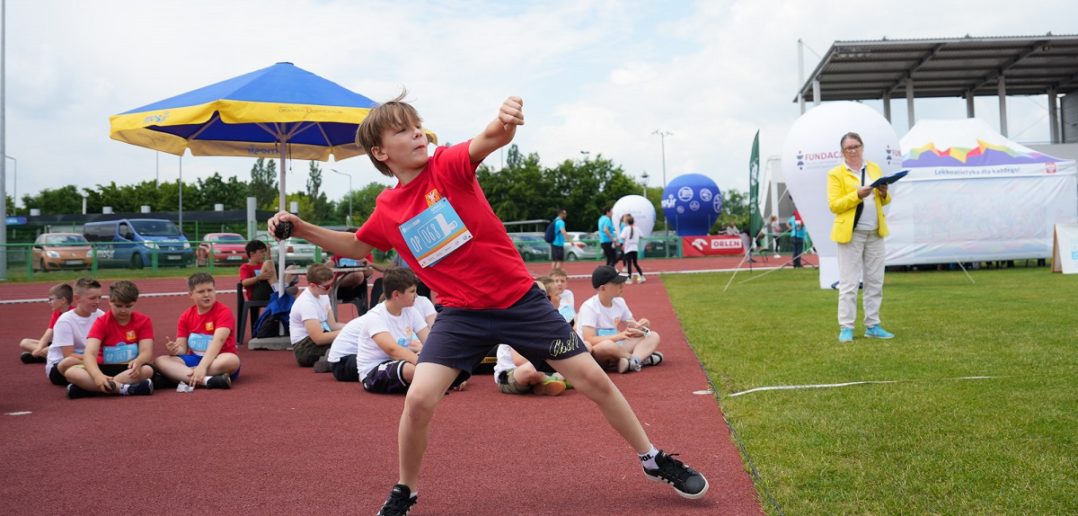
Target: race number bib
[[435, 233], [348, 262], [325, 326], [567, 312], [606, 332], [199, 343], [120, 353]]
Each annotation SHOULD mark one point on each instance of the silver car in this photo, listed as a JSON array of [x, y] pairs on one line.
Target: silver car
[[582, 246]]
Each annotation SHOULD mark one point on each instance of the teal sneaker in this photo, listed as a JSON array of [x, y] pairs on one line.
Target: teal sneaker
[[877, 332], [845, 335]]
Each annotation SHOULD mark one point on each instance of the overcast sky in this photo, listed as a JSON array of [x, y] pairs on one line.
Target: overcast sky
[[595, 76]]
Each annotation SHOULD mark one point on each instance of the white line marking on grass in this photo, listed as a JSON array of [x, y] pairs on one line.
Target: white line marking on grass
[[23, 413], [846, 384]]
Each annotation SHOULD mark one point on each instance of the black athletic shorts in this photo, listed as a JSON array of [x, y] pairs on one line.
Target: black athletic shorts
[[344, 370], [532, 326], [56, 377], [557, 253], [386, 378]]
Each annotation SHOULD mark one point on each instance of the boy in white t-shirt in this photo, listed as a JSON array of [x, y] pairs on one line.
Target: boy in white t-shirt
[[607, 327], [386, 349], [311, 323], [343, 353], [566, 299], [69, 333], [426, 309]]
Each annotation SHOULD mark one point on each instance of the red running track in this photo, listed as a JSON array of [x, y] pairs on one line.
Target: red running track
[[287, 441]]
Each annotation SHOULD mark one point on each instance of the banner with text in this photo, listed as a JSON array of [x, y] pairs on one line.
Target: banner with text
[[711, 245]]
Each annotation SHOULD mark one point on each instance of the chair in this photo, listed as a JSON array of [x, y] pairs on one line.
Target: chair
[[246, 308]]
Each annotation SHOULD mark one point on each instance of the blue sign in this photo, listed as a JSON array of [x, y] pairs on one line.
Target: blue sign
[[15, 221]]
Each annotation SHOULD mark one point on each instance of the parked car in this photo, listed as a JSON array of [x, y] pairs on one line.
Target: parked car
[[227, 248], [582, 246], [54, 251], [133, 242], [531, 246], [297, 250]]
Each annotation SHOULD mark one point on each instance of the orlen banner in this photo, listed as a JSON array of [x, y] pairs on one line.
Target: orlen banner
[[712, 244], [812, 148]]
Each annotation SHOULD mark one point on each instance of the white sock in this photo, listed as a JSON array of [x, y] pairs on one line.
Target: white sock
[[648, 459], [123, 388], [206, 381]]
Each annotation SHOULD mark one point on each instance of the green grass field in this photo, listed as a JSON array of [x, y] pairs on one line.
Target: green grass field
[[933, 442]]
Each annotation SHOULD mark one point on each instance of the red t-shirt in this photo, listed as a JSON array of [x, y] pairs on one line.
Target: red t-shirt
[[55, 315], [248, 270], [485, 272], [119, 343], [199, 328]]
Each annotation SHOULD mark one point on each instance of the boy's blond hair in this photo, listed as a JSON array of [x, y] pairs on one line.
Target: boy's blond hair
[[395, 114], [123, 291], [318, 273], [548, 285], [558, 272]]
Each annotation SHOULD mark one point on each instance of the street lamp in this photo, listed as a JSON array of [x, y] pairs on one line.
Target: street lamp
[[349, 176], [15, 194], [645, 178]]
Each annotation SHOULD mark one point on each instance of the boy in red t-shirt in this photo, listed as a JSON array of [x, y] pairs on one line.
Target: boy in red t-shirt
[[35, 350], [118, 352], [204, 352], [438, 219]]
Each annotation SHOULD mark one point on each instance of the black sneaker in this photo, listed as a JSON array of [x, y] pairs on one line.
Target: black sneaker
[[653, 359], [75, 392], [221, 381], [29, 358], [322, 366], [143, 388], [686, 481], [400, 501]]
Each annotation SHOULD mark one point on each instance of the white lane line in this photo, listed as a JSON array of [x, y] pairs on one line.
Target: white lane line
[[846, 384], [23, 413]]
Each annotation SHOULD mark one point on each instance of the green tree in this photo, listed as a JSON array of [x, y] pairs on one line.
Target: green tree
[[215, 189], [263, 184], [735, 210], [321, 204], [63, 200], [362, 203]]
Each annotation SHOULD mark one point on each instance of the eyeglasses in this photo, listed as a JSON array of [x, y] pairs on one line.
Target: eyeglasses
[[326, 286], [852, 148]]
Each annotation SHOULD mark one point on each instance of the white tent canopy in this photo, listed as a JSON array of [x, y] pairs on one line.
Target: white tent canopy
[[974, 195]]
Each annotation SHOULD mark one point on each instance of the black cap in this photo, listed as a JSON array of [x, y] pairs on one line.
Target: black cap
[[606, 274]]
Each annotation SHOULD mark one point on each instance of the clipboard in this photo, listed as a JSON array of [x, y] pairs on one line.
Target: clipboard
[[886, 180]]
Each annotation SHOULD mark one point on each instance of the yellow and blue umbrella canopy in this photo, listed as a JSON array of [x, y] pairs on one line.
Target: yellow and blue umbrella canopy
[[275, 110]]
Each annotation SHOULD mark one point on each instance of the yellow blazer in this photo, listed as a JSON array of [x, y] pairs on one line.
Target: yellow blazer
[[842, 199]]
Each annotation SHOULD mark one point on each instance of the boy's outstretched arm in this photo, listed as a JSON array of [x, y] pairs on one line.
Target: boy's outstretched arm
[[500, 131]]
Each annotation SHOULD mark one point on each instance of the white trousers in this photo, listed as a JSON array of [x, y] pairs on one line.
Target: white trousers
[[860, 260]]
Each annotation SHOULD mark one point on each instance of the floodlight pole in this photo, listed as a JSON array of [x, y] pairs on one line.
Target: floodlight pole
[[662, 145], [15, 194], [349, 176], [3, 141]]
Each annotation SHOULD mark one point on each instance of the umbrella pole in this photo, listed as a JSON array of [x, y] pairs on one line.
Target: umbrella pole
[[283, 139]]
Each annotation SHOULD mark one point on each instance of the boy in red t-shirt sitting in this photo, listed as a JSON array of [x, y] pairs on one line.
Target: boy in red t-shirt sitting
[[35, 350], [119, 349], [439, 220], [204, 352]]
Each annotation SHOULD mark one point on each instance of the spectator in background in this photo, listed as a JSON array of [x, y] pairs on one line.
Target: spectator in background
[[607, 238], [35, 350], [797, 238], [557, 247], [775, 230], [630, 237]]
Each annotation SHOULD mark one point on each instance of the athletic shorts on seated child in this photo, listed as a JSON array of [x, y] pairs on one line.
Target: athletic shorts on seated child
[[532, 326], [193, 361], [386, 378], [509, 385], [56, 377], [307, 352], [344, 370], [107, 369]]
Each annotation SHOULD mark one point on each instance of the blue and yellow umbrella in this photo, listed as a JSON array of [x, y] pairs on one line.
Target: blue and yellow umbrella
[[281, 109]]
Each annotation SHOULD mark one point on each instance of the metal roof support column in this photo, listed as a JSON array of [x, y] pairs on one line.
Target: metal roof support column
[[909, 102], [1002, 105], [801, 73], [887, 105], [816, 92], [1053, 115], [969, 104]]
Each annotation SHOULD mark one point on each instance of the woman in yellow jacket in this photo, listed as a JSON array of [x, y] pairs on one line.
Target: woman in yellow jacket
[[858, 229]]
